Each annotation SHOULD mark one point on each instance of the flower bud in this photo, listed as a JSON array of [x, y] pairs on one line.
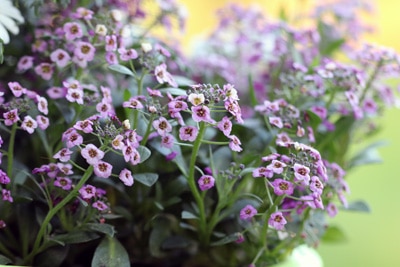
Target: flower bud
[[146, 47], [126, 124]]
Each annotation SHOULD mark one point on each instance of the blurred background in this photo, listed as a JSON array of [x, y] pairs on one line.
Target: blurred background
[[372, 239]]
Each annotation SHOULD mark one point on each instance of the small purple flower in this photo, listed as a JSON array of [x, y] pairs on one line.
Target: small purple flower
[[126, 177], [102, 169], [25, 63], [201, 113], [263, 172], [92, 154], [29, 124], [63, 155], [85, 51], [133, 103], [206, 182], [85, 126], [301, 173], [331, 209], [167, 140], [6, 195], [225, 125], [111, 58], [4, 179], [127, 54], [282, 187], [247, 212], [277, 221], [44, 70], [235, 143], [16, 89], [87, 191], [188, 133], [276, 166], [60, 57], [111, 43], [72, 31], [63, 182], [42, 121], [276, 121], [316, 186], [65, 168], [162, 126], [99, 205], [163, 76]]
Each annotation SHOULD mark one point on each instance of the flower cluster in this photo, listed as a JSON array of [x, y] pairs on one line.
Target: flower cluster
[[110, 139]]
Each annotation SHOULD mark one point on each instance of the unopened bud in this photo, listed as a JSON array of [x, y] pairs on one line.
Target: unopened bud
[[126, 124]]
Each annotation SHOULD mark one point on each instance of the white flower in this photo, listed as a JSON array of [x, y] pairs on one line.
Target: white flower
[[9, 16]]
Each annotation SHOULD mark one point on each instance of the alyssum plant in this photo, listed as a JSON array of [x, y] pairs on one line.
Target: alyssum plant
[[119, 151]]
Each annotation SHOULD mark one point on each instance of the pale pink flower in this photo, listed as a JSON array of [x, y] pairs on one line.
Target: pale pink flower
[[247, 212], [44, 70], [63, 182], [188, 133], [63, 155], [72, 31], [225, 125], [84, 50], [92, 154], [11, 117], [103, 169], [42, 104], [16, 89], [29, 124], [163, 76], [60, 57], [162, 126], [42, 121], [235, 143], [277, 220], [126, 177], [87, 191], [206, 182], [99, 205], [25, 63], [111, 43]]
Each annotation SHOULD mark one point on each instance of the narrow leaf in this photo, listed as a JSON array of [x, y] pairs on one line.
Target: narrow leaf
[[188, 215], [359, 206], [4, 260], [121, 69], [110, 253], [227, 239]]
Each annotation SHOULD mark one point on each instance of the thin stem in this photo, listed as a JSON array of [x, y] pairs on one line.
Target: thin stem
[[10, 153], [192, 184], [53, 211]]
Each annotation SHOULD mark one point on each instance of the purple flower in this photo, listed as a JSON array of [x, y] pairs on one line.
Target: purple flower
[[301, 173], [133, 103], [126, 177], [92, 154], [87, 191], [167, 140], [4, 179], [276, 166], [235, 143], [162, 126], [247, 212], [72, 31], [99, 205], [201, 113], [276, 121], [331, 209], [188, 133], [111, 43], [63, 182], [225, 125], [206, 182], [25, 63], [282, 187], [6, 195], [84, 51], [102, 169], [316, 186], [163, 76], [127, 54], [63, 155], [60, 57], [16, 89], [263, 172], [44, 70], [29, 124], [277, 221]]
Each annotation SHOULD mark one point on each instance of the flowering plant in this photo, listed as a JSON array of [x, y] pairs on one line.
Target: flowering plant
[[117, 150]]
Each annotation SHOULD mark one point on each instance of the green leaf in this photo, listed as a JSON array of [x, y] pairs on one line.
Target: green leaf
[[144, 152], [4, 260], [173, 91], [161, 230], [183, 81], [227, 239], [110, 253], [75, 237], [175, 242], [148, 179], [368, 155], [334, 234], [1, 51], [53, 256], [359, 206], [104, 228], [314, 119], [252, 92], [121, 69], [188, 215]]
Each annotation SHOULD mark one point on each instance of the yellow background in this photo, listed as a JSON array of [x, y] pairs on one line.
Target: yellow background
[[373, 239]]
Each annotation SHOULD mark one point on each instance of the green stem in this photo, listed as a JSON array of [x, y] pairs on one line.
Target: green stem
[[10, 153], [148, 130], [52, 212], [371, 79], [192, 184]]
